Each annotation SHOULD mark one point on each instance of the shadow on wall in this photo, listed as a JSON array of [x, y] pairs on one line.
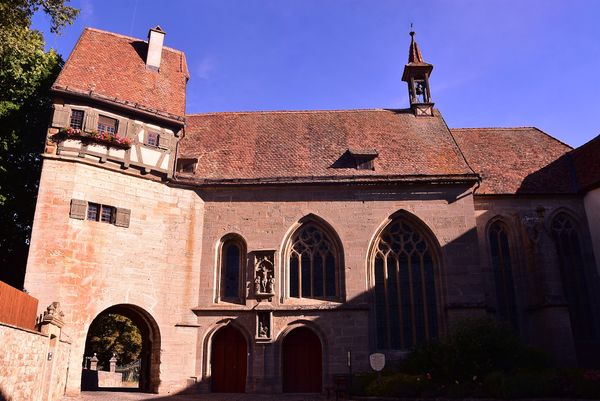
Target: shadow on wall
[[3, 396]]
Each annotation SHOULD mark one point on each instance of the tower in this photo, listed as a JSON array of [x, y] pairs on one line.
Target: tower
[[416, 75]]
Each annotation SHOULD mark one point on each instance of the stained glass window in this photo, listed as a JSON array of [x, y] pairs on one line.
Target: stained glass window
[[503, 273], [231, 269], [313, 264], [405, 300]]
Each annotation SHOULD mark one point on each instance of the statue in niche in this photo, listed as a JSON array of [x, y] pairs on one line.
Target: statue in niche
[[263, 325], [264, 279]]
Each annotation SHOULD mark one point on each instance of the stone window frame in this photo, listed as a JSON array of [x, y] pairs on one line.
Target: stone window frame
[[220, 287], [437, 266], [510, 316], [338, 253], [583, 328]]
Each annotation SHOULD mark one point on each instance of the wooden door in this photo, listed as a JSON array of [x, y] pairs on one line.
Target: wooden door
[[302, 362], [228, 361]]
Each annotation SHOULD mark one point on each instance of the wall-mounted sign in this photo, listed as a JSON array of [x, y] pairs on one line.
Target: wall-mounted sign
[[377, 361]]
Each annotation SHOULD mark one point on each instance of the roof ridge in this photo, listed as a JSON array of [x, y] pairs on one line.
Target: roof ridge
[[498, 128], [291, 111], [89, 28]]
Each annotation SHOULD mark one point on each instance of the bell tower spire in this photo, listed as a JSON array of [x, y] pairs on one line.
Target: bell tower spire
[[416, 75]]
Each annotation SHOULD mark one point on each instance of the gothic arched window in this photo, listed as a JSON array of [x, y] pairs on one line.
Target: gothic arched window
[[573, 275], [404, 266], [314, 260], [232, 260], [503, 275]]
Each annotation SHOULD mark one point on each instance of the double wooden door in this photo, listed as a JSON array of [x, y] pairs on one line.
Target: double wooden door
[[302, 362], [228, 361]]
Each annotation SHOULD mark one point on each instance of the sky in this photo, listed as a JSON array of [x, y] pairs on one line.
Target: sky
[[497, 63]]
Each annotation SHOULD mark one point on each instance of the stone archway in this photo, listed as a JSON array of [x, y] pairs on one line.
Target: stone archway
[[149, 372], [302, 362]]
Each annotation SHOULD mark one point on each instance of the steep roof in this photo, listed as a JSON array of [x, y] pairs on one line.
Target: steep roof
[[517, 160], [586, 159], [314, 145], [112, 67]]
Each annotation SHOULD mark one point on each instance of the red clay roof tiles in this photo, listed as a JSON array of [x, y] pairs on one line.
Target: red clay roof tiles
[[586, 159], [112, 66], [257, 145], [516, 160]]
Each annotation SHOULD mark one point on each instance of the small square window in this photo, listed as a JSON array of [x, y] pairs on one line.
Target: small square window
[[107, 125], [76, 119], [107, 214], [93, 211], [152, 139]]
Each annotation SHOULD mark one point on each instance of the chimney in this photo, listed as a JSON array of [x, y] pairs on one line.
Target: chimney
[[156, 37]]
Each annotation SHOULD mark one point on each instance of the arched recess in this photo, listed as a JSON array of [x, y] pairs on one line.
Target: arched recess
[[577, 279], [231, 269], [312, 255], [404, 273], [500, 246], [149, 379], [302, 359], [226, 325]]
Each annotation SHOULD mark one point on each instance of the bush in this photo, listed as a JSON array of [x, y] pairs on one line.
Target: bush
[[399, 385]]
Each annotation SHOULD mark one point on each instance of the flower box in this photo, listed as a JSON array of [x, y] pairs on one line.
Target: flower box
[[101, 138]]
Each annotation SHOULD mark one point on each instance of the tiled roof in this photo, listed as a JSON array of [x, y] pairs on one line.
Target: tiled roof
[[587, 164], [517, 160], [112, 67], [314, 145]]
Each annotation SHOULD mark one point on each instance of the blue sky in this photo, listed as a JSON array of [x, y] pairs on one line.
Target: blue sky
[[497, 63]]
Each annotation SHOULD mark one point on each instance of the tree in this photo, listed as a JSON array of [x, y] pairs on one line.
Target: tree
[[111, 333], [26, 74]]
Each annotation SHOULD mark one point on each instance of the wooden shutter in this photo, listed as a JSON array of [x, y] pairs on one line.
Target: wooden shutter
[[78, 209], [122, 217], [60, 118], [132, 129], [91, 121], [164, 141], [122, 127]]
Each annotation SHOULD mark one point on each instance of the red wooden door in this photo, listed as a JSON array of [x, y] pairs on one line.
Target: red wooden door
[[302, 362], [228, 361]]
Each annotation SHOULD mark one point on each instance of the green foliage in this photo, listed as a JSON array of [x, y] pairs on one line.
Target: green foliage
[[26, 74], [111, 333]]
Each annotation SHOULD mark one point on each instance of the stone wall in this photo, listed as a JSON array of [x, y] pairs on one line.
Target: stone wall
[[592, 209], [540, 298], [152, 265], [26, 373]]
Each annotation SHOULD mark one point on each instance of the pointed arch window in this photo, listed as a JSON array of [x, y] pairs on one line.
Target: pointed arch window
[[572, 269], [314, 264], [232, 262], [405, 294], [502, 265]]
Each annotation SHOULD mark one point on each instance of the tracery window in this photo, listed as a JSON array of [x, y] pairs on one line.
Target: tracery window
[[572, 269], [405, 294], [503, 274], [233, 255], [313, 264]]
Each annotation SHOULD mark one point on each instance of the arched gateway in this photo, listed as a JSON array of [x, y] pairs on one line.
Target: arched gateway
[[149, 376]]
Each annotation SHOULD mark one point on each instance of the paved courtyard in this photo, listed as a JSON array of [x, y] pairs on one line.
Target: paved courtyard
[[131, 396]]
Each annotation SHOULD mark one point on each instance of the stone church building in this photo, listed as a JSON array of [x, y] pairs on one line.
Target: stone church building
[[268, 251]]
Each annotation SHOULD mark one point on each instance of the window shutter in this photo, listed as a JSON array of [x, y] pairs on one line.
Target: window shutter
[[60, 118], [122, 218], [132, 129], [78, 209], [122, 128], [164, 141], [91, 121]]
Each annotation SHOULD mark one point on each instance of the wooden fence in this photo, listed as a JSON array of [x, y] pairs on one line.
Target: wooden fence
[[17, 308]]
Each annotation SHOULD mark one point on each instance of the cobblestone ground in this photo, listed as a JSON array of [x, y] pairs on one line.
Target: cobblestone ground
[[126, 396]]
